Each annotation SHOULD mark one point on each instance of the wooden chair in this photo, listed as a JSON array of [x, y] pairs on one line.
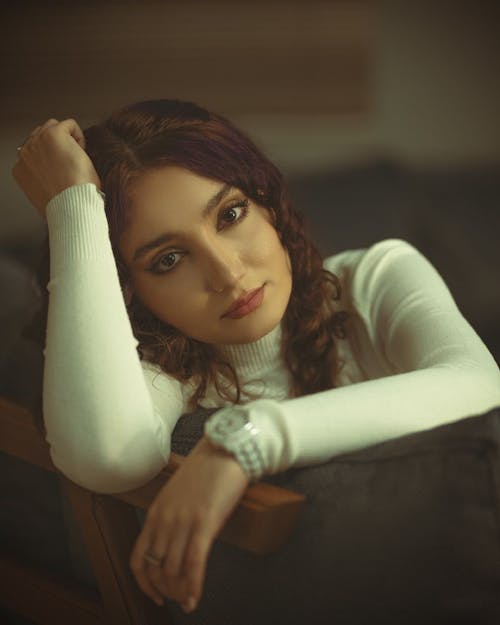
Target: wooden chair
[[261, 523]]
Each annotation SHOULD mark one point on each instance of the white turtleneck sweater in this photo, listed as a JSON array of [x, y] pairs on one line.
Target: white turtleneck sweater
[[411, 362]]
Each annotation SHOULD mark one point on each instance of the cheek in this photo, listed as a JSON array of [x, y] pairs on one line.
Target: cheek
[[168, 304], [277, 256], [264, 246]]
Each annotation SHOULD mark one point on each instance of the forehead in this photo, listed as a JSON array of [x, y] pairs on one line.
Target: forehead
[[169, 189]]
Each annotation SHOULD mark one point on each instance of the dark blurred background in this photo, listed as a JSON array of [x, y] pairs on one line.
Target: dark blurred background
[[383, 116]]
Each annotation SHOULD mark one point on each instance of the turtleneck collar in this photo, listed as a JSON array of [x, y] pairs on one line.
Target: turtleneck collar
[[257, 356]]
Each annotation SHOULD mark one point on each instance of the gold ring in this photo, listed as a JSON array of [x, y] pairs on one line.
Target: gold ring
[[153, 559]]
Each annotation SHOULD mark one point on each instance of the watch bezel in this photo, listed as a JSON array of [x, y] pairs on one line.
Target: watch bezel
[[218, 420]]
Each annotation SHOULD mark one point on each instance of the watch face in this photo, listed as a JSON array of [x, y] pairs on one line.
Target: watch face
[[230, 422]]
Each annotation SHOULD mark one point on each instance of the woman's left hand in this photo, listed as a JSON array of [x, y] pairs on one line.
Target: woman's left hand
[[183, 521]]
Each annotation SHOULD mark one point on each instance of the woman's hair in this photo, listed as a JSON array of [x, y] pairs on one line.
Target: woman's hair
[[157, 133]]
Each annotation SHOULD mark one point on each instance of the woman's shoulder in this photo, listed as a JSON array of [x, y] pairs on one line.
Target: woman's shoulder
[[388, 266], [363, 258], [389, 274]]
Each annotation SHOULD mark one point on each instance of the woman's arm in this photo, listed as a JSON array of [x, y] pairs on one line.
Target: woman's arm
[[107, 426], [108, 420], [443, 371]]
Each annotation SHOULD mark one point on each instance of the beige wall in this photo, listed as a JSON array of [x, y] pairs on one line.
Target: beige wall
[[435, 94]]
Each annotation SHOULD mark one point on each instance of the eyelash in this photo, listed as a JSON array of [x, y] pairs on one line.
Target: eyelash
[[243, 204]]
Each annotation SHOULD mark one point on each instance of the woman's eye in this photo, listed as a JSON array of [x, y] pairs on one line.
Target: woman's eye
[[234, 213], [230, 214], [165, 262]]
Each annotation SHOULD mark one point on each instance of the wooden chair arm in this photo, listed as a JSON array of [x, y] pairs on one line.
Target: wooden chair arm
[[261, 523]]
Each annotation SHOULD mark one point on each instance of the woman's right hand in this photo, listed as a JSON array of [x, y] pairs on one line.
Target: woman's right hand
[[52, 159]]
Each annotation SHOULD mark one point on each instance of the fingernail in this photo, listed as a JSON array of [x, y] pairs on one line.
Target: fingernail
[[189, 605]]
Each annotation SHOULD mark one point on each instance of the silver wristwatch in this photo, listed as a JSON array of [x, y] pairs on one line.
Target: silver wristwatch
[[232, 430]]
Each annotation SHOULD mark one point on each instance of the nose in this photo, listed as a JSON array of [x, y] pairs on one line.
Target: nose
[[223, 267]]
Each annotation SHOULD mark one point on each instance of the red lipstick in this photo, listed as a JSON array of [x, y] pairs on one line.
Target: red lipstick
[[245, 304]]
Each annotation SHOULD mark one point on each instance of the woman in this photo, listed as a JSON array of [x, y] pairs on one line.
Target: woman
[[181, 276]]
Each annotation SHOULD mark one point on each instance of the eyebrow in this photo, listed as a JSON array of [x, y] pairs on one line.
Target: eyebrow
[[166, 236]]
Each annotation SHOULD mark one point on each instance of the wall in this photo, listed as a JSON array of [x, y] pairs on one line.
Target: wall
[[422, 83]]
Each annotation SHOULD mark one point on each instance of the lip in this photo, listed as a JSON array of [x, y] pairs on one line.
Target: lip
[[245, 304]]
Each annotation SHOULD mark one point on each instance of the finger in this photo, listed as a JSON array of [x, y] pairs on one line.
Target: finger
[[147, 587], [74, 129], [159, 547], [174, 554], [168, 578], [50, 122], [139, 566], [32, 134], [36, 131], [195, 562]]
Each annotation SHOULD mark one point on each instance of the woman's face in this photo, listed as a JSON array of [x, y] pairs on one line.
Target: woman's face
[[196, 249]]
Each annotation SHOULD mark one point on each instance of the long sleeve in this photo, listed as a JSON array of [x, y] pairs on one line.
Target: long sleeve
[[440, 370], [108, 419]]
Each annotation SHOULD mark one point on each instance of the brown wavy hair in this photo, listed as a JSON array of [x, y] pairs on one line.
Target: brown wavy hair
[[157, 133]]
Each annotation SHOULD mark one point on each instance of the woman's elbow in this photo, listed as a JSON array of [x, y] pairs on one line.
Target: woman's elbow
[[491, 392], [481, 386], [108, 477]]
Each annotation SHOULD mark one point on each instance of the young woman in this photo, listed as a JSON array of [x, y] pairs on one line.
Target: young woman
[[181, 276]]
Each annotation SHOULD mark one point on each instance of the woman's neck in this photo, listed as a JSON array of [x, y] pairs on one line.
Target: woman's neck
[[253, 357]]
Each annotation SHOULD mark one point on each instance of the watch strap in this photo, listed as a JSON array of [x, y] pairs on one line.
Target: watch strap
[[249, 456]]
